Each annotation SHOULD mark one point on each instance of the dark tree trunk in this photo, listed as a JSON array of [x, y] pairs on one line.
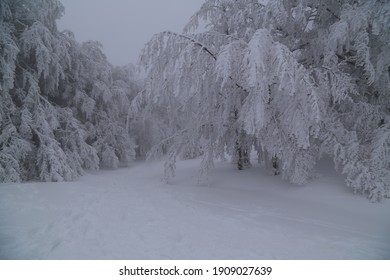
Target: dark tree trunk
[[271, 164], [240, 164], [241, 150], [275, 165]]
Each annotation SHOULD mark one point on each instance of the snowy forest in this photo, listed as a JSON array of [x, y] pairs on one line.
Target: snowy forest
[[289, 81]]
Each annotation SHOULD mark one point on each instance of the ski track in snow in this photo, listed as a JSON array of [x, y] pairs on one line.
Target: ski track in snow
[[130, 214]]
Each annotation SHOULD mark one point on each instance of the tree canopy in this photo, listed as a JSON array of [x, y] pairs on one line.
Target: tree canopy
[[62, 105], [293, 80]]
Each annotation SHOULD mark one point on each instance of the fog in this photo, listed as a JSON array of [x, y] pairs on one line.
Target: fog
[[124, 26]]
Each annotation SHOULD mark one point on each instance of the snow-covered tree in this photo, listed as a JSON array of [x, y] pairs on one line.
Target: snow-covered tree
[[33, 61], [224, 79], [356, 66], [291, 79], [101, 103], [61, 110]]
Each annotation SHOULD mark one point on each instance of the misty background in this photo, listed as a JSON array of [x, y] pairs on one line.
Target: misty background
[[124, 26]]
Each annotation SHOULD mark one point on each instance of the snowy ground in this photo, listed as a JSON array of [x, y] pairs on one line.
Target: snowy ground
[[130, 214]]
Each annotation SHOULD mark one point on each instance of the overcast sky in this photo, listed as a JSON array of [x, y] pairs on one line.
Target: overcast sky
[[124, 26]]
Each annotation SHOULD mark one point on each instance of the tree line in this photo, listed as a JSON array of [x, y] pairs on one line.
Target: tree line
[[291, 80]]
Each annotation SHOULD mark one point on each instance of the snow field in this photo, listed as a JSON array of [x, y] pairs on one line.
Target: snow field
[[130, 214]]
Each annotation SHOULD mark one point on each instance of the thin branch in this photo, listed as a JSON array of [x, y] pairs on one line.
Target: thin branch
[[227, 36], [207, 50], [332, 13]]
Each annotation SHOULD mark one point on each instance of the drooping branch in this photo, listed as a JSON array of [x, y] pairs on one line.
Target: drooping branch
[[195, 42], [205, 49]]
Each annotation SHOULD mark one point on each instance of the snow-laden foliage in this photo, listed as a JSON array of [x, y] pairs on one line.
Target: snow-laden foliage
[[294, 80], [61, 109], [193, 119]]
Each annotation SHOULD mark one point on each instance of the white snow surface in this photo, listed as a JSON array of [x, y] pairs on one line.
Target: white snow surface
[[130, 214]]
